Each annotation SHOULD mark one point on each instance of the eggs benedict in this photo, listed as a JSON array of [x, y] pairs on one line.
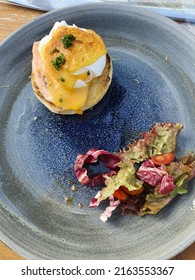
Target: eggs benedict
[[71, 69]]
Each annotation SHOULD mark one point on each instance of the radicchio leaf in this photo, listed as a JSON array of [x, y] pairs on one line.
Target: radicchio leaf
[[108, 212], [94, 201], [166, 185], [150, 174], [92, 156]]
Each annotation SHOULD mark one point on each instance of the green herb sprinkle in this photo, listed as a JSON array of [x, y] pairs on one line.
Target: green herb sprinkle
[[62, 79], [60, 60], [67, 40]]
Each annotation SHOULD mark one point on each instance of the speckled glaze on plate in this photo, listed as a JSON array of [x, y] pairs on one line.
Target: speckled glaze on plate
[[153, 81]]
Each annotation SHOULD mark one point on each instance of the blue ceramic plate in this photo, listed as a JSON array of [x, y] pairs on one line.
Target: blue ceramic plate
[[153, 81]]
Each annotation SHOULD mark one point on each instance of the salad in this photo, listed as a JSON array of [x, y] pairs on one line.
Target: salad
[[143, 177]]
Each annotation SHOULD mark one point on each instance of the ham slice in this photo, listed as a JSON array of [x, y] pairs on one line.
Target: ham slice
[[38, 72]]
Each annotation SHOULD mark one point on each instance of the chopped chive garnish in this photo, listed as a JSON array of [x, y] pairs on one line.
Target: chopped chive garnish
[[60, 60], [62, 79], [54, 51], [67, 40], [60, 100]]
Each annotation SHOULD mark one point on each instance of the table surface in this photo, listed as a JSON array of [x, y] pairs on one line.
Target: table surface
[[11, 18]]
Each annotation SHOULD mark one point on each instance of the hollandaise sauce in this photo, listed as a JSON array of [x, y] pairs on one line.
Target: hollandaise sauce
[[67, 55]]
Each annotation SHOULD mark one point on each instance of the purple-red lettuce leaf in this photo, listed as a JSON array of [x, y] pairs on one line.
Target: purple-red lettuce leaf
[[92, 157], [108, 211], [181, 172], [150, 174]]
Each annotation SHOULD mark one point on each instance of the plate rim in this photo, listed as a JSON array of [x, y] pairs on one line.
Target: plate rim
[[48, 15]]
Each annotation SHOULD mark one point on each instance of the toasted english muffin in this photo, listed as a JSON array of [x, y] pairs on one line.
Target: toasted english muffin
[[97, 90]]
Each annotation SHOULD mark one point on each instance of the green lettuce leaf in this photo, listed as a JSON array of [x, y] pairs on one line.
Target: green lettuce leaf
[[159, 140], [136, 152], [124, 177], [154, 204]]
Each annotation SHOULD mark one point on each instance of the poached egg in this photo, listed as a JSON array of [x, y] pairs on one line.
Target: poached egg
[[69, 59]]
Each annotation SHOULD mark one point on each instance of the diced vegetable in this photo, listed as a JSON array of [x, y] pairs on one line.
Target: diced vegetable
[[163, 159], [121, 195]]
